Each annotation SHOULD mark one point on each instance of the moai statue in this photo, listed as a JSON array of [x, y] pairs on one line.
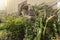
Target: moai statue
[[22, 6], [23, 9], [31, 12], [26, 10]]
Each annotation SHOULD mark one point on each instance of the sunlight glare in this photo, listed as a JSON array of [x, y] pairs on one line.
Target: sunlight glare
[[3, 4], [58, 5]]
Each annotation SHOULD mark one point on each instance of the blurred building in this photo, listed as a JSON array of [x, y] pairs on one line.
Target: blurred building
[[12, 5]]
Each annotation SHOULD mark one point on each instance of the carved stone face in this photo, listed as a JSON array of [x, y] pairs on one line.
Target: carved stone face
[[25, 7], [24, 10], [27, 11]]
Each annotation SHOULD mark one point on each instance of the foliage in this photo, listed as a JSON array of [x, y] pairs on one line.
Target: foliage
[[14, 26], [44, 26]]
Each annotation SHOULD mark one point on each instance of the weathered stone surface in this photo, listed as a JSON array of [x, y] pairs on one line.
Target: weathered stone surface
[[12, 5]]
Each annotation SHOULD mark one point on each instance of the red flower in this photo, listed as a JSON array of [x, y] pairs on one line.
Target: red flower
[[52, 17]]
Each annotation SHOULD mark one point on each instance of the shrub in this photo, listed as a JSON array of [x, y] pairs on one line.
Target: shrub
[[15, 26]]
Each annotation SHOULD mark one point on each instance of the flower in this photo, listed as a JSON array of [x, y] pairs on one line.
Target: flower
[[52, 17]]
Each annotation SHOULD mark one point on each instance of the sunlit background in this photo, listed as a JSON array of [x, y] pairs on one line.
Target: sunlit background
[[12, 5], [3, 4]]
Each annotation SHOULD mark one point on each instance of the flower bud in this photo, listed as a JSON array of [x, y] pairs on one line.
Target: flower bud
[[52, 17]]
